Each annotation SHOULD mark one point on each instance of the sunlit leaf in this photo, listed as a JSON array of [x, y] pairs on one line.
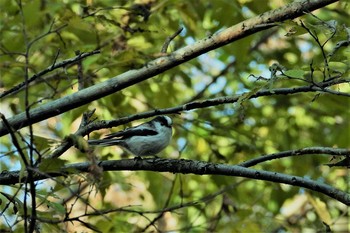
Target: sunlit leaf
[[294, 73]]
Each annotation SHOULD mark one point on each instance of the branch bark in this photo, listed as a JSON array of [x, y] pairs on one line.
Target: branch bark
[[54, 66], [158, 66], [185, 167], [299, 152]]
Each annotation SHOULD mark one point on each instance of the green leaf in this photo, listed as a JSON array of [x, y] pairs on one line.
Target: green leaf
[[57, 207], [295, 73], [52, 165]]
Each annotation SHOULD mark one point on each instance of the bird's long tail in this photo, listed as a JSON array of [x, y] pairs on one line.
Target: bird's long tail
[[105, 142]]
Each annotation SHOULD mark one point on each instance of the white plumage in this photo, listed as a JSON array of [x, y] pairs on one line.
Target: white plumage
[[148, 138]]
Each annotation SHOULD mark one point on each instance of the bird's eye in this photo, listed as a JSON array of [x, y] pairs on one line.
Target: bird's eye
[[164, 122]]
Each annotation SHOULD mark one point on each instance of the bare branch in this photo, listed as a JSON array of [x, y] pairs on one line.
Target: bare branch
[[189, 166], [214, 79], [303, 151], [14, 140], [54, 66], [169, 39]]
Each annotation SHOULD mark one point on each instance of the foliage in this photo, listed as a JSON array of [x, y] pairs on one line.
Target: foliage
[[308, 51]]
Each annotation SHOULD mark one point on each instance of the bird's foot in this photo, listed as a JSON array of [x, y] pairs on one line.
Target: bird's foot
[[137, 158]]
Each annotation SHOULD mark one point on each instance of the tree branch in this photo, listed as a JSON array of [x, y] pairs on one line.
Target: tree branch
[[169, 39], [208, 103], [83, 131], [303, 151], [185, 167], [54, 66], [157, 66]]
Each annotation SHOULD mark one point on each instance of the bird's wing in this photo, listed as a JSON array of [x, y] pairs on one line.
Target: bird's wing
[[137, 131]]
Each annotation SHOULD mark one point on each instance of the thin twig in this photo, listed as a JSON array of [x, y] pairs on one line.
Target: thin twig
[[169, 39], [52, 67], [214, 79], [318, 42], [299, 152], [14, 140], [80, 72]]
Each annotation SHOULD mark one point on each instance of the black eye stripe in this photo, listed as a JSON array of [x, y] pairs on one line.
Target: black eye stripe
[[162, 120]]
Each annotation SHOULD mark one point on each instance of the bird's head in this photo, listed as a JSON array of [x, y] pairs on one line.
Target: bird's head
[[164, 121]]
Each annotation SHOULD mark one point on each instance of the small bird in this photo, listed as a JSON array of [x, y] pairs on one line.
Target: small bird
[[146, 139]]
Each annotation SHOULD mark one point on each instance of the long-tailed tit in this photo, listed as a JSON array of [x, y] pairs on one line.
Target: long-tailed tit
[[148, 138]]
